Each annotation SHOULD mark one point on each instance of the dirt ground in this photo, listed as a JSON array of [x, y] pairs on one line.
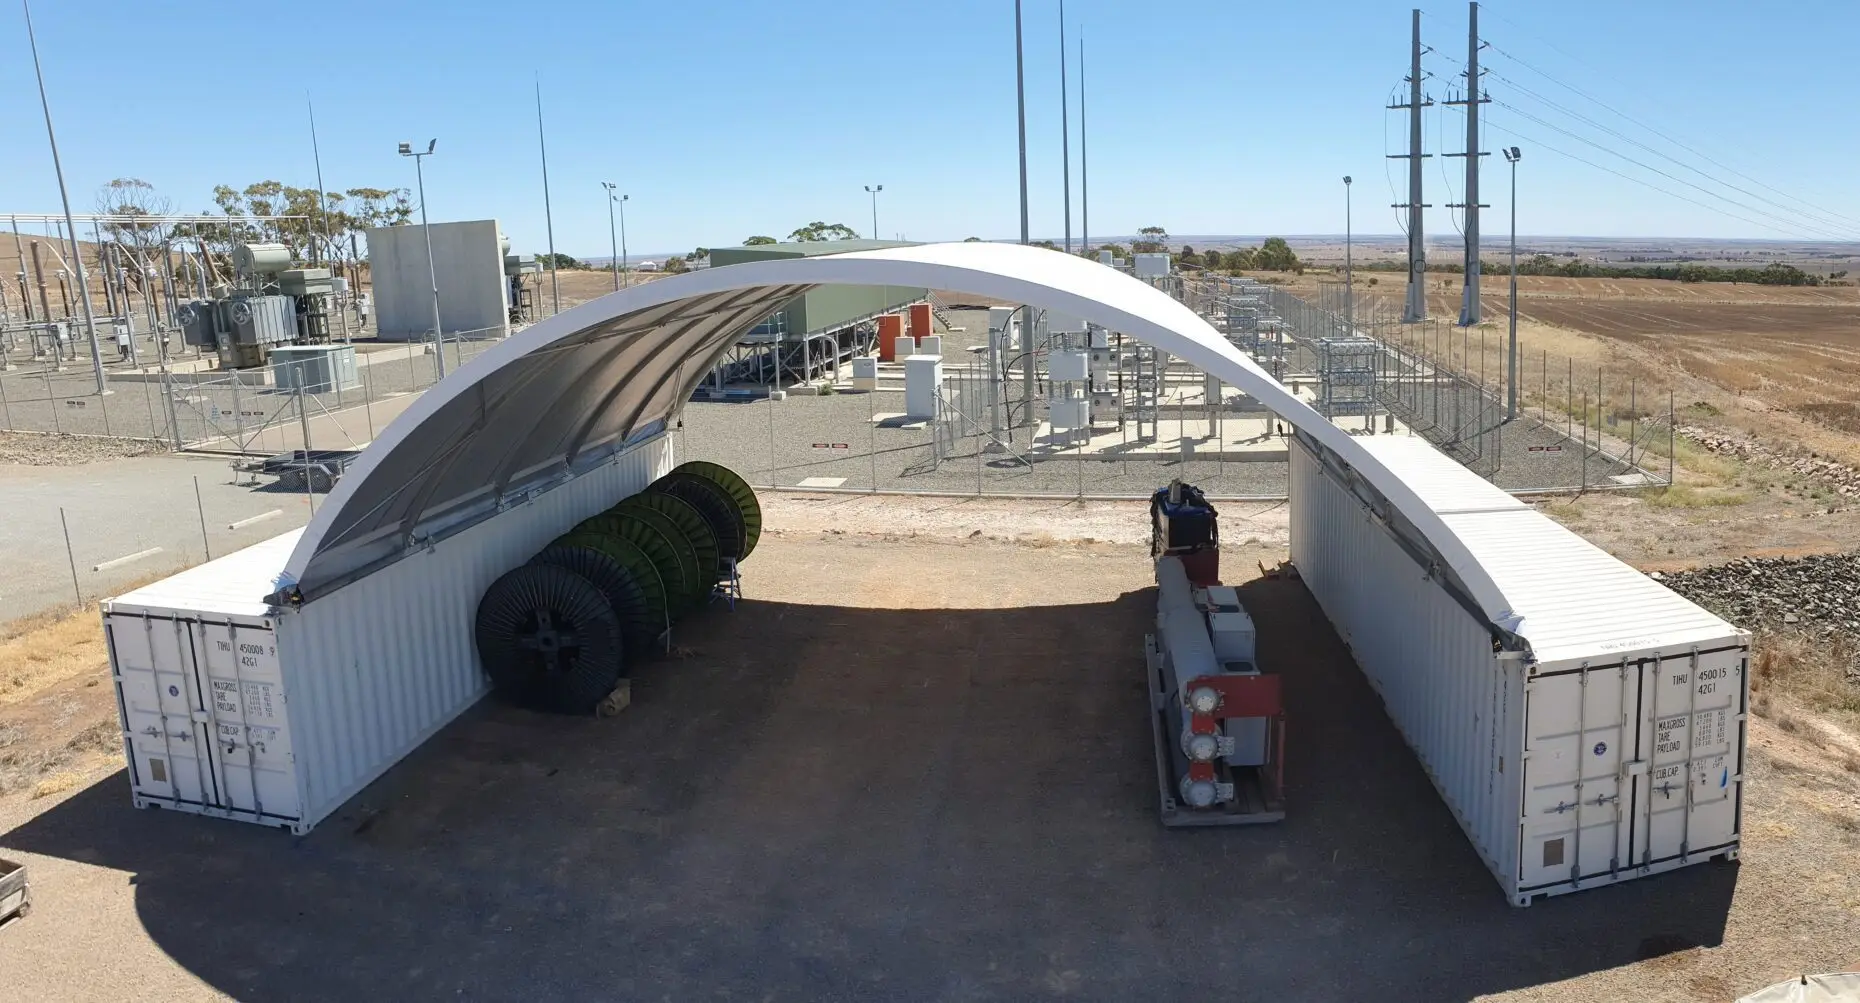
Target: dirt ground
[[1777, 362], [905, 768]]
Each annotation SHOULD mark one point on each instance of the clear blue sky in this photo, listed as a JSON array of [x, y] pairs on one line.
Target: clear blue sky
[[725, 119]]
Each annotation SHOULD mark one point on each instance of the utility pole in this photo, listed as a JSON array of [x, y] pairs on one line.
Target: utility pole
[[1512, 156], [1084, 167], [1020, 94], [626, 274], [1475, 96], [1349, 284], [1065, 127], [77, 255], [1414, 309], [426, 230], [613, 242], [542, 146], [1026, 314]]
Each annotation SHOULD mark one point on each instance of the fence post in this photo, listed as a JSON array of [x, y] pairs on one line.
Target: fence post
[[1633, 417], [51, 399], [1585, 440], [174, 413], [1672, 436], [71, 557], [206, 545], [5, 408], [303, 422], [238, 414], [148, 398]]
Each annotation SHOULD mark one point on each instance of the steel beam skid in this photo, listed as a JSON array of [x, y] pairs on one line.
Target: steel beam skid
[[1192, 694]]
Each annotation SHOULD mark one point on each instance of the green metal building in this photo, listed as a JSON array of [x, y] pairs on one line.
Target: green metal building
[[828, 308]]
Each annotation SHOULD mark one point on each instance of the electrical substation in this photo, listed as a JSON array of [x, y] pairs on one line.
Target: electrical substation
[[545, 546]]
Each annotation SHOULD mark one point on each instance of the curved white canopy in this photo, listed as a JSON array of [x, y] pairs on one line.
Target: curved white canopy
[[568, 391]]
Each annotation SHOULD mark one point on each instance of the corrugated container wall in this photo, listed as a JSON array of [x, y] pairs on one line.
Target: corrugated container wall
[[292, 712], [1605, 744]]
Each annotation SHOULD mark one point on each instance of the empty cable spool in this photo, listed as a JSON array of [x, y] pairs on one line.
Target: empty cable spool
[[738, 489], [640, 566], [689, 522], [671, 553], [639, 627], [714, 504], [549, 639]]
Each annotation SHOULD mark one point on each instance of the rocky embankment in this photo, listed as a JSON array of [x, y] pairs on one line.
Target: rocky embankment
[[1816, 595], [1800, 462]]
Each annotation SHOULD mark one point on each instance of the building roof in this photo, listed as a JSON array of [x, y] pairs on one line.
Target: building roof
[[565, 394], [805, 248]]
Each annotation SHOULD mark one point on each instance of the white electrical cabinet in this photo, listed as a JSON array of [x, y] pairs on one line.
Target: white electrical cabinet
[[1151, 266], [1065, 413], [1591, 734], [1069, 366], [923, 379]]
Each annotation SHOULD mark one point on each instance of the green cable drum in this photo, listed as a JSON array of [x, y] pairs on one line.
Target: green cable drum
[[677, 561], [689, 521], [636, 562], [714, 504], [738, 489]]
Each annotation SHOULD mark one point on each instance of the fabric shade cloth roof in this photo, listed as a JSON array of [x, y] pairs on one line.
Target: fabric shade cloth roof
[[565, 393]]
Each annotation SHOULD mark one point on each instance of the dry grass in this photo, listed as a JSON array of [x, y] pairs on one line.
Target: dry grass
[[47, 649], [43, 770], [1819, 675], [1692, 496]]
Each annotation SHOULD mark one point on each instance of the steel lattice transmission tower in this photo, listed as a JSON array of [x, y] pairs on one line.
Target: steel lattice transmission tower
[[1415, 308], [1475, 96]]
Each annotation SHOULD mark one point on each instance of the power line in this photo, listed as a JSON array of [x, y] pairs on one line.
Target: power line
[[1795, 220], [1390, 178], [1824, 217], [1775, 219], [1540, 144], [1655, 131]]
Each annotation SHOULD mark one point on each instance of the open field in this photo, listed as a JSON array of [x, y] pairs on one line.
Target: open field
[[756, 827], [1778, 362]]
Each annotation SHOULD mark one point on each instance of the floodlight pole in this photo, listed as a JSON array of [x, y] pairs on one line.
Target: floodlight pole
[[874, 192], [626, 275], [1349, 287], [426, 230], [613, 242], [77, 257], [1020, 92], [1512, 156]]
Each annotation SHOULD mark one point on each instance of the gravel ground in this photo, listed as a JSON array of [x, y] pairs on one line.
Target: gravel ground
[[1820, 592], [51, 450]]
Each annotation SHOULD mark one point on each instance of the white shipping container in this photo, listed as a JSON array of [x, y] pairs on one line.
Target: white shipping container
[[236, 708], [1592, 732]]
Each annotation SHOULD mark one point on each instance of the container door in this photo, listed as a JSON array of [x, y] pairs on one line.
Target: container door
[[1687, 788], [1574, 820], [251, 749], [163, 711]]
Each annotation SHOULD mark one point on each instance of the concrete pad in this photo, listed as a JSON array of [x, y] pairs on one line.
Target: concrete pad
[[820, 482]]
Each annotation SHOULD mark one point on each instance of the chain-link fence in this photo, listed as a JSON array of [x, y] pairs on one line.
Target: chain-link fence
[[1154, 418], [187, 404]]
